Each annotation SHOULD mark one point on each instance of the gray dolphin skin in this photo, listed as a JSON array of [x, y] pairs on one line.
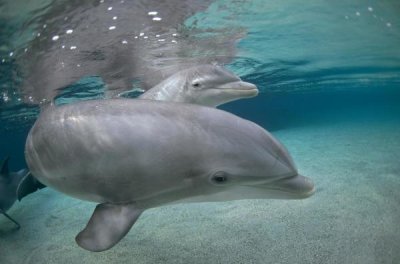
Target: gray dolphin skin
[[208, 85], [13, 186], [131, 155]]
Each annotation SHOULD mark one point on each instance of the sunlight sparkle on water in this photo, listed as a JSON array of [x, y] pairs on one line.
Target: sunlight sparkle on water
[[5, 97]]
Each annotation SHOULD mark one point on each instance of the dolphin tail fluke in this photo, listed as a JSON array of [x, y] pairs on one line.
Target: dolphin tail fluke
[[28, 185], [107, 226], [10, 218]]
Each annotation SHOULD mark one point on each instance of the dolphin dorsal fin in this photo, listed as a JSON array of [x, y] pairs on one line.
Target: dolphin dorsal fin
[[4, 171]]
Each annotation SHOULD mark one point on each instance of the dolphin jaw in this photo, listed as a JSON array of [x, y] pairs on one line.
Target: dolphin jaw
[[239, 87], [295, 187]]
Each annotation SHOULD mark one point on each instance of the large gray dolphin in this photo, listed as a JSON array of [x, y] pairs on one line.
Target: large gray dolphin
[[131, 155], [208, 85]]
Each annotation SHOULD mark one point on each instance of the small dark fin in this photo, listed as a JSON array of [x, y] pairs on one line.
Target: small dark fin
[[28, 185], [9, 217], [4, 172], [107, 226]]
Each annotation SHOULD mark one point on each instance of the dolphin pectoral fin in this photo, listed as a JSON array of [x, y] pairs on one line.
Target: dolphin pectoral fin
[[28, 185], [10, 218], [107, 226]]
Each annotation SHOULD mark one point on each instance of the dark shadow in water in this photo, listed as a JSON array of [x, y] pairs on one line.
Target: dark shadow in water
[[12, 144], [7, 230], [277, 111]]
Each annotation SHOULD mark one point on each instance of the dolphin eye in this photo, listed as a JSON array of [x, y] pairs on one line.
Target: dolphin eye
[[196, 84], [219, 177]]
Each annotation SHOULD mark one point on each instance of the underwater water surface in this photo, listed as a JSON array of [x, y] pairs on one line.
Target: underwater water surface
[[329, 81]]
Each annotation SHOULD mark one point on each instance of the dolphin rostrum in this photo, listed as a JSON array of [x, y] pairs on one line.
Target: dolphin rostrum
[[208, 85], [131, 155]]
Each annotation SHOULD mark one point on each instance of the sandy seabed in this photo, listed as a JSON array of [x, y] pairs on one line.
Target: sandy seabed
[[352, 218]]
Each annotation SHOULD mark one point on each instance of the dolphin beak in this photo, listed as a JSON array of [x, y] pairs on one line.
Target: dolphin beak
[[296, 187], [244, 88]]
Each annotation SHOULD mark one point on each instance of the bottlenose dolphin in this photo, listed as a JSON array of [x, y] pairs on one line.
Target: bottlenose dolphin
[[131, 155], [208, 85], [13, 186]]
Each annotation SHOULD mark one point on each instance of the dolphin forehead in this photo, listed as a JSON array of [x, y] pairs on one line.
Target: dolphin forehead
[[212, 73]]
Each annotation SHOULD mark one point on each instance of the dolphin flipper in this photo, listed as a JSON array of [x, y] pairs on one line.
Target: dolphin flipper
[[107, 226], [28, 185], [9, 217]]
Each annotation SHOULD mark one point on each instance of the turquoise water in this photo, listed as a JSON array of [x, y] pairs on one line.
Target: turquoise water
[[329, 80]]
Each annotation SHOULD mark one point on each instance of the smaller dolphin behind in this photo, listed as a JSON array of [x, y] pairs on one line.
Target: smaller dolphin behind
[[13, 186], [208, 85]]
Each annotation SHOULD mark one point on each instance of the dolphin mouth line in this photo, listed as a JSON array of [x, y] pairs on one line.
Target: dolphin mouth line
[[235, 89], [249, 92], [238, 86], [298, 186], [300, 194]]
